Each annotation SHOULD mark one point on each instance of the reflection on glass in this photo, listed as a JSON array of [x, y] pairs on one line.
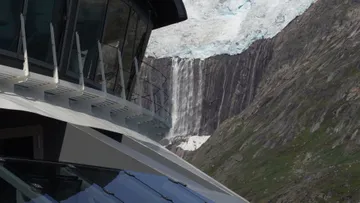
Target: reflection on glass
[[128, 51], [140, 40], [116, 22], [40, 13], [114, 35], [111, 66], [176, 191], [10, 23], [30, 181], [89, 26], [130, 189], [38, 19]]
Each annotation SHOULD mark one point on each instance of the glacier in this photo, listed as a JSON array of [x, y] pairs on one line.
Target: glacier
[[223, 27]]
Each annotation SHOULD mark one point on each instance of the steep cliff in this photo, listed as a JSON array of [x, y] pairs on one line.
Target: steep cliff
[[298, 141], [231, 82], [206, 92]]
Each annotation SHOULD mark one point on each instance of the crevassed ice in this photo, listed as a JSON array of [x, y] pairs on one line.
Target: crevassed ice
[[223, 27]]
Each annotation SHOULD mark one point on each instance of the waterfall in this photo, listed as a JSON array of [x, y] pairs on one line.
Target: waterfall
[[187, 96]]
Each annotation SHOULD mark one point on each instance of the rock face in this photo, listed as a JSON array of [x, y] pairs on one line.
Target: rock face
[[231, 82], [206, 92], [296, 138]]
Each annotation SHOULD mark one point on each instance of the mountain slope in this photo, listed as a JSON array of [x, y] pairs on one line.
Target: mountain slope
[[299, 139]]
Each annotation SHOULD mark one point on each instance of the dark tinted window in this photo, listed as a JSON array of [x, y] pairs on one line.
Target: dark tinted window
[[116, 23], [38, 19], [114, 36], [40, 14], [140, 40], [134, 46], [89, 25], [129, 44], [10, 23]]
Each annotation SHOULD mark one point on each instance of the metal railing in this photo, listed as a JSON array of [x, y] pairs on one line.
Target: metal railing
[[148, 101]]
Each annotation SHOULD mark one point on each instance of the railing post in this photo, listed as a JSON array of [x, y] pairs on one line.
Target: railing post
[[101, 64], [81, 66], [152, 107], [53, 46], [138, 80], [121, 70], [23, 37]]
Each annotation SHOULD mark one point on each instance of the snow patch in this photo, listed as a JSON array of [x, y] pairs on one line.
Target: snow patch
[[193, 143], [223, 27]]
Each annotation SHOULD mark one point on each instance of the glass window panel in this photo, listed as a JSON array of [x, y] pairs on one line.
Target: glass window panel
[[130, 42], [38, 18], [116, 22], [89, 26], [140, 41], [48, 179], [10, 11], [126, 78], [114, 35], [129, 189], [118, 88], [111, 66], [83, 184], [174, 191], [59, 22]]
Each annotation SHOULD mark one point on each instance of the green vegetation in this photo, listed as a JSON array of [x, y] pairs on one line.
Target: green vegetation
[[264, 173]]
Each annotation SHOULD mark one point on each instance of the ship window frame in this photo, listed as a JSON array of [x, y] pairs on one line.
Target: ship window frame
[[18, 54], [149, 25], [33, 61], [68, 72], [67, 39], [121, 37], [15, 54], [19, 28]]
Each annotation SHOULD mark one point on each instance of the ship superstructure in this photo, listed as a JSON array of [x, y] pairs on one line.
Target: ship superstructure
[[74, 97]]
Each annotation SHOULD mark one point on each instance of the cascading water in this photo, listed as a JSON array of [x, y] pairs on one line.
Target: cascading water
[[187, 97]]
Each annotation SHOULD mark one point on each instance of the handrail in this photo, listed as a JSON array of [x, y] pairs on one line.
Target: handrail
[[150, 81]]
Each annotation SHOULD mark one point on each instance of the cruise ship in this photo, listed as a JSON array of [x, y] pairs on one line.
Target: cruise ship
[[82, 114]]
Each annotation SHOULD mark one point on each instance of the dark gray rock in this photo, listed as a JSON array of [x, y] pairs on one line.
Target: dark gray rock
[[221, 86]]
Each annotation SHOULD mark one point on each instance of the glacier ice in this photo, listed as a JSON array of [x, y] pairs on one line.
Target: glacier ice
[[223, 27]]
